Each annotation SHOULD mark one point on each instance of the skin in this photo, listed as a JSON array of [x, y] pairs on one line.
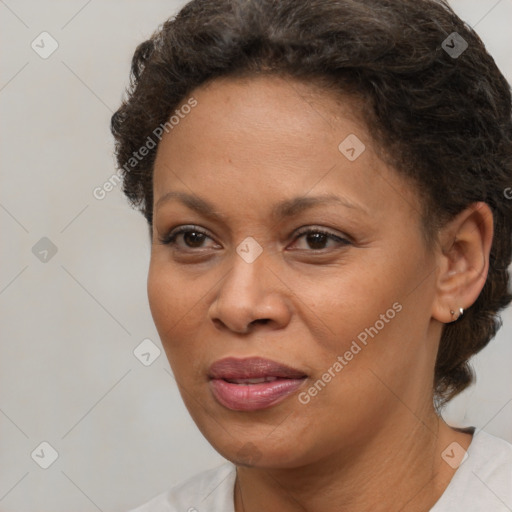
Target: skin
[[371, 437]]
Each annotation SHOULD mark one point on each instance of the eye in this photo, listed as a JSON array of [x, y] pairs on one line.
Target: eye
[[192, 236], [317, 238]]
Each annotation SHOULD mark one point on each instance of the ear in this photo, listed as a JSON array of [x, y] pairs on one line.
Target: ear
[[462, 261]]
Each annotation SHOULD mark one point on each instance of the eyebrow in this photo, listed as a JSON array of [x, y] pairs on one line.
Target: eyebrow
[[282, 210]]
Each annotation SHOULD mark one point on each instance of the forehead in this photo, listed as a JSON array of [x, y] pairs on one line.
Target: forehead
[[249, 121], [271, 136], [274, 103]]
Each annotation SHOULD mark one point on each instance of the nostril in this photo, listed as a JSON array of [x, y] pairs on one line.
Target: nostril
[[261, 321]]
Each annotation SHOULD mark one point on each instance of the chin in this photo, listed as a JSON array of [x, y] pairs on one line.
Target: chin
[[257, 450]]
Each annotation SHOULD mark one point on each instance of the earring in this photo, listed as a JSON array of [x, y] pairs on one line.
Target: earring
[[461, 311]]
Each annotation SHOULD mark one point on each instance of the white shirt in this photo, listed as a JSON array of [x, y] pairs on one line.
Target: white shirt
[[482, 483]]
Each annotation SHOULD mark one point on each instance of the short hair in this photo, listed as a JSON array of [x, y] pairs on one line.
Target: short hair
[[442, 119]]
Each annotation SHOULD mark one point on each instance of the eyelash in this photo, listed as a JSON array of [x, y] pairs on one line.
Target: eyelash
[[170, 239]]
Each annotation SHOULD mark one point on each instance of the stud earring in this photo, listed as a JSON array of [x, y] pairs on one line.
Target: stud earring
[[461, 311]]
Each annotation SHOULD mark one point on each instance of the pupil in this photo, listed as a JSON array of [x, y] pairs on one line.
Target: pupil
[[315, 239], [193, 237]]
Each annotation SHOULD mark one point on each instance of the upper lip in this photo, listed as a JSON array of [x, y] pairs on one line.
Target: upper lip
[[251, 368]]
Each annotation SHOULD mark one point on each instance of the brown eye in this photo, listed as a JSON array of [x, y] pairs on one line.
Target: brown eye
[[192, 237], [317, 239]]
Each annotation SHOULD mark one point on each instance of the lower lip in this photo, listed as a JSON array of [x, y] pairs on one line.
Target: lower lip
[[252, 397]]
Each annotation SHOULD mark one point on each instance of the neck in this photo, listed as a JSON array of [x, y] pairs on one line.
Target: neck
[[401, 465]]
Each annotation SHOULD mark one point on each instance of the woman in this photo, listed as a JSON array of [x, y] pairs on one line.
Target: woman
[[324, 187]]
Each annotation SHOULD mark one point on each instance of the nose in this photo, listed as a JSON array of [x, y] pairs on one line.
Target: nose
[[250, 295]]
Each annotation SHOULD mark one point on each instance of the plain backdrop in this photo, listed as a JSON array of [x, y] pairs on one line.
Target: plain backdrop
[[71, 319]]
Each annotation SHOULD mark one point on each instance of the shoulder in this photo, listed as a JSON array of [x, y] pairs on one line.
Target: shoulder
[[483, 481], [210, 490]]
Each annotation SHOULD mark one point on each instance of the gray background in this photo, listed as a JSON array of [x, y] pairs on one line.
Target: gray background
[[70, 324]]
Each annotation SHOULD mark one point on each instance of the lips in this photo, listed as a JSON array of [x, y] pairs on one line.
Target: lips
[[252, 368], [252, 383]]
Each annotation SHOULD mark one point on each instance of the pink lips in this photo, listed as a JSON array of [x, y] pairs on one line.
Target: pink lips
[[253, 383]]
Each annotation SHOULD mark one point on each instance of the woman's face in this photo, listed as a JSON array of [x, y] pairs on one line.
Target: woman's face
[[349, 311]]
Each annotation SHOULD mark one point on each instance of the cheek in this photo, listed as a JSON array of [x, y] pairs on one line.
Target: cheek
[[162, 297], [373, 341], [345, 302], [176, 307], [362, 313], [173, 295]]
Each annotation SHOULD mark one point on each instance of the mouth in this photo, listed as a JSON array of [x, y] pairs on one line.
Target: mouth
[[253, 383], [259, 380]]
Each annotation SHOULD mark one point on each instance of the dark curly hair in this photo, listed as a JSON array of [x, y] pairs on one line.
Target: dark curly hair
[[442, 119]]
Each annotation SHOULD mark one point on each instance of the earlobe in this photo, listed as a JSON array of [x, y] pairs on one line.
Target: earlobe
[[462, 261], [457, 316]]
